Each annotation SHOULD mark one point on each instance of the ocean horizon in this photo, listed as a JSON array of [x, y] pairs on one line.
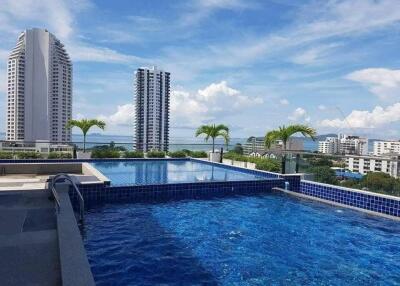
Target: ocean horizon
[[176, 143]]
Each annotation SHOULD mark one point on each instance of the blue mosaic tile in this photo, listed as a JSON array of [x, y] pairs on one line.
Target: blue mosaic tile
[[376, 203]]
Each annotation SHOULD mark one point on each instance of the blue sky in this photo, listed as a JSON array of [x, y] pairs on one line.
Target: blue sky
[[253, 65]]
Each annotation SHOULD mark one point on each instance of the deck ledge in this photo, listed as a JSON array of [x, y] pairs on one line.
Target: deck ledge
[[75, 268]]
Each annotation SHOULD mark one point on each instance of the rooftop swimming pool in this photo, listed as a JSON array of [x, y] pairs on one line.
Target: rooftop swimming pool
[[264, 239], [153, 172]]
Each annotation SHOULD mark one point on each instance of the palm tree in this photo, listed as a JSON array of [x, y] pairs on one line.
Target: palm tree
[[284, 133], [85, 125], [214, 131]]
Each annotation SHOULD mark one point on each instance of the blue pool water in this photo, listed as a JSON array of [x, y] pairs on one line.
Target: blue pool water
[[146, 172], [269, 239]]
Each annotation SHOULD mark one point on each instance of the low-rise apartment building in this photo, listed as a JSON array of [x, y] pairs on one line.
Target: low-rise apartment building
[[386, 147], [38, 146], [256, 145], [329, 146], [363, 164], [344, 144]]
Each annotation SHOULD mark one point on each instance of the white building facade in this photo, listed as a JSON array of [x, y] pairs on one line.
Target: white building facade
[[344, 145], [39, 89], [329, 146], [364, 164], [152, 100], [386, 147], [256, 145]]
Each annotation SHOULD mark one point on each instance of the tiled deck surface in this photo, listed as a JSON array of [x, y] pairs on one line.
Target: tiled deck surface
[[28, 240]]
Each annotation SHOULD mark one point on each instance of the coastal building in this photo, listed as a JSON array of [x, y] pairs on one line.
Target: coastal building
[[388, 164], [344, 144], [43, 147], [329, 146], [39, 89], [255, 146], [386, 147], [152, 97], [353, 145]]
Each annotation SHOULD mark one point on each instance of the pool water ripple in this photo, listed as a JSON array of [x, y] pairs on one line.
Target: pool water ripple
[[243, 240]]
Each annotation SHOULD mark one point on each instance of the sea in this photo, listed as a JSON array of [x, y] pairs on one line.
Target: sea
[[176, 143]]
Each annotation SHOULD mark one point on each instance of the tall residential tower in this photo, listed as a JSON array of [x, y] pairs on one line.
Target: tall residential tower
[[39, 74], [152, 109]]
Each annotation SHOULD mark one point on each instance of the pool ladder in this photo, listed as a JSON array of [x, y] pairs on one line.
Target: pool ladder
[[66, 177]]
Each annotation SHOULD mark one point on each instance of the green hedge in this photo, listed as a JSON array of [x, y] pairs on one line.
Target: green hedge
[[195, 154], [198, 154], [28, 155], [133, 154], [105, 153], [177, 154], [59, 155], [265, 164], [6, 155], [155, 154]]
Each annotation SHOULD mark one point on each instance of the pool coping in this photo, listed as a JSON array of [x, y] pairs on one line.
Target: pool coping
[[74, 264], [312, 198]]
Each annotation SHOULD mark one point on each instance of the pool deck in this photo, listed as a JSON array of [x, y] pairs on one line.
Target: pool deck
[[38, 245], [28, 239]]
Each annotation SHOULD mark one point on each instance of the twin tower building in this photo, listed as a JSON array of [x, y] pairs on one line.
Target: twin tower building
[[39, 92]]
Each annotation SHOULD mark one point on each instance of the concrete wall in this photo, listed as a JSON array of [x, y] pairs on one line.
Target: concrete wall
[[40, 168]]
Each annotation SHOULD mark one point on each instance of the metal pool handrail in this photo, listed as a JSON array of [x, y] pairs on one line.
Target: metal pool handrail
[[75, 187]]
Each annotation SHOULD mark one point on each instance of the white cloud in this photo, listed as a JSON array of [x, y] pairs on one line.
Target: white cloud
[[321, 107], [299, 114], [378, 117], [54, 14], [85, 53], [201, 9], [385, 83], [58, 17], [313, 55], [215, 100], [223, 4], [124, 116], [316, 23], [284, 101]]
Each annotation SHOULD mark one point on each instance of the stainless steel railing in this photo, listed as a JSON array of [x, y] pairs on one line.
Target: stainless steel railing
[[66, 177]]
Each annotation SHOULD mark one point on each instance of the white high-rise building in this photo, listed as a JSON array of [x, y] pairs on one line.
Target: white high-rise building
[[386, 147], [39, 89], [152, 97]]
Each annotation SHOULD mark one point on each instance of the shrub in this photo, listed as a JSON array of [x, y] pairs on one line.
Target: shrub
[[59, 155], [270, 165], [238, 149], [133, 154], [155, 154], [198, 154], [177, 154], [324, 174], [265, 164], [29, 155], [195, 154], [6, 155], [105, 153]]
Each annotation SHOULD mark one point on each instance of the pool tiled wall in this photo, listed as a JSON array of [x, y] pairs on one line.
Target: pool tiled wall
[[98, 193], [387, 205]]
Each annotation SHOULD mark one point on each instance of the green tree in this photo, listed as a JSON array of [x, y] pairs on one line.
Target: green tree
[[238, 149], [284, 133], [85, 125], [381, 182], [324, 174], [213, 131]]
